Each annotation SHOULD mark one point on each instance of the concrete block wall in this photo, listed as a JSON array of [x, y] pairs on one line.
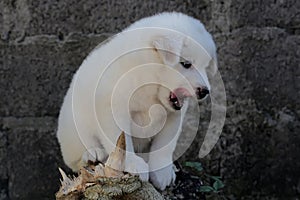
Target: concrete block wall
[[43, 42]]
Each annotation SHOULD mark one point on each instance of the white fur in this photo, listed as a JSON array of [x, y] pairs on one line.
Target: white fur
[[87, 100]]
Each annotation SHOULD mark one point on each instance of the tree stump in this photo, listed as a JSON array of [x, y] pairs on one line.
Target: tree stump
[[107, 182]]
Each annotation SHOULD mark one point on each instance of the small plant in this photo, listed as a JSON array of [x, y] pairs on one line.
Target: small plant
[[212, 183]]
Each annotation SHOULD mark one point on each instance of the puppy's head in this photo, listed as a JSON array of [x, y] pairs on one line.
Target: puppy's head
[[187, 57]]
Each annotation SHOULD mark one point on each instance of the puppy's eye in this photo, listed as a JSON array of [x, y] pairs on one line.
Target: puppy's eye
[[186, 64]]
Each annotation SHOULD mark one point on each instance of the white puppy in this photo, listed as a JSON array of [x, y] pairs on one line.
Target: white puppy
[[159, 60]]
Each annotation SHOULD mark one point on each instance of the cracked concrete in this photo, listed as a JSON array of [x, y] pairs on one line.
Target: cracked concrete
[[43, 42]]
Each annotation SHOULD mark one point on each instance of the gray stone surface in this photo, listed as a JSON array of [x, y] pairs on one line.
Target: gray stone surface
[[3, 166], [61, 18], [34, 157], [36, 73], [42, 43]]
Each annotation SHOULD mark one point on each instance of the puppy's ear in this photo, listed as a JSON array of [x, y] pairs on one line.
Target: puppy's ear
[[169, 48]]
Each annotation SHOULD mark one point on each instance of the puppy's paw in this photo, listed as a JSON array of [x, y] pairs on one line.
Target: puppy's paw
[[136, 165], [94, 155], [163, 177]]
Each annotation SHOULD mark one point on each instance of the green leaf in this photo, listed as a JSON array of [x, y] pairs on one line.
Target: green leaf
[[216, 178], [206, 188], [218, 184], [195, 165]]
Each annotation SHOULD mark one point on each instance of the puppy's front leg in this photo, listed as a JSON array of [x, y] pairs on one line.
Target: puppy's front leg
[[163, 145], [133, 163]]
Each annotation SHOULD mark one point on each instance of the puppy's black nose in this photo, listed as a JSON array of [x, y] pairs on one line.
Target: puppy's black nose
[[202, 92]]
